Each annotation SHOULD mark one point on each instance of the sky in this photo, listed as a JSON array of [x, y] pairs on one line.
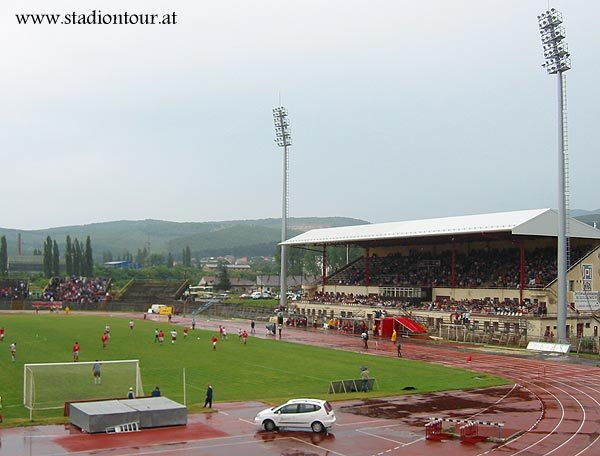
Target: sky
[[399, 110]]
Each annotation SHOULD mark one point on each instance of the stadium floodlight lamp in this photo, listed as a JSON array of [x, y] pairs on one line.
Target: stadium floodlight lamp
[[552, 36], [282, 127]]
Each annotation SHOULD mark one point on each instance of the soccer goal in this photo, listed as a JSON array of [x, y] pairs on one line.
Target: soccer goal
[[49, 385]]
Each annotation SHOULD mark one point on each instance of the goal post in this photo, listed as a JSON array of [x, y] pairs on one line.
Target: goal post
[[49, 385]]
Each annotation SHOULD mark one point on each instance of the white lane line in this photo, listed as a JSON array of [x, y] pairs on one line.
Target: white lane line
[[326, 450]]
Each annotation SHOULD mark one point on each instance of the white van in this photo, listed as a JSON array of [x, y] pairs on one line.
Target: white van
[[155, 308]]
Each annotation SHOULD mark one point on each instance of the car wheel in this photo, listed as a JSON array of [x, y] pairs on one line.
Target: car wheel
[[269, 426], [317, 427]]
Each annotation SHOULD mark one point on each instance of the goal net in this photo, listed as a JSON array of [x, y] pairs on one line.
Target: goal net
[[50, 385]]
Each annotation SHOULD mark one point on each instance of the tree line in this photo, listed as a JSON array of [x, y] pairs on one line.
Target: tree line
[[78, 258], [143, 258]]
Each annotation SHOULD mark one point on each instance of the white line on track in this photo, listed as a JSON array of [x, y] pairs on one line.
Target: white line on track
[[361, 423], [326, 450]]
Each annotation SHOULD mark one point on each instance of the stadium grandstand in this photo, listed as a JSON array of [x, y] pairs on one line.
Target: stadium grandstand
[[494, 276]]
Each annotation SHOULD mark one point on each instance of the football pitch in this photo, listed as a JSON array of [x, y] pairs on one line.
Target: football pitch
[[267, 370]]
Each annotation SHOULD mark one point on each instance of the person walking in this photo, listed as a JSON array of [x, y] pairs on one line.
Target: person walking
[[156, 335], [214, 341], [365, 338], [209, 397], [193, 324], [394, 336], [399, 349], [131, 325], [96, 371], [13, 351], [252, 325]]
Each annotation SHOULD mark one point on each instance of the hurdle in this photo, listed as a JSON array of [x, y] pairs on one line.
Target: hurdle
[[469, 431], [434, 431], [478, 423]]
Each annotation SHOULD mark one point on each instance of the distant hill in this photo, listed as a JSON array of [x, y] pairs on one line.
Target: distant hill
[[590, 219], [236, 237], [576, 213]]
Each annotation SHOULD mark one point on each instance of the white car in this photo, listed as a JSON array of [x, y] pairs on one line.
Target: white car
[[314, 414]]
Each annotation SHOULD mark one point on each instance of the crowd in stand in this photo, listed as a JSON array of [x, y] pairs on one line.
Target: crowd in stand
[[82, 290], [483, 268], [351, 299], [14, 289], [508, 306]]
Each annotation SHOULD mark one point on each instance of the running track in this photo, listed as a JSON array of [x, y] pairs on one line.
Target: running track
[[569, 394]]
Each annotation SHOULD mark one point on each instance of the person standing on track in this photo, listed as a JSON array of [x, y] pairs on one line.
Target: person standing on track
[[209, 397]]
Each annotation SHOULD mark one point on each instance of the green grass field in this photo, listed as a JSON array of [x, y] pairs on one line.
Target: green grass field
[[265, 369]]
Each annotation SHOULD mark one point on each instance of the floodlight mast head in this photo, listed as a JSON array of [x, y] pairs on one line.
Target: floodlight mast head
[[283, 136], [552, 34]]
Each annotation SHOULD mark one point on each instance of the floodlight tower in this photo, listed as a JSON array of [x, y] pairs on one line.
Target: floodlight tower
[[557, 62], [283, 138]]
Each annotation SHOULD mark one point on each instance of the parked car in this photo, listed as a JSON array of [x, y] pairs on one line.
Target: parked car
[[245, 296], [256, 295], [314, 414]]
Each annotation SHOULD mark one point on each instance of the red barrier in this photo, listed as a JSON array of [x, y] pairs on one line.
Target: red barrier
[[469, 433], [433, 430]]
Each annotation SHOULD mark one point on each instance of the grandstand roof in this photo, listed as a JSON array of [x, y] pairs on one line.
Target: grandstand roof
[[535, 222]]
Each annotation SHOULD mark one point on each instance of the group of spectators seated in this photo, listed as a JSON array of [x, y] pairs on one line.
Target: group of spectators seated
[[14, 289], [350, 299], [480, 268], [509, 307], [83, 290]]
